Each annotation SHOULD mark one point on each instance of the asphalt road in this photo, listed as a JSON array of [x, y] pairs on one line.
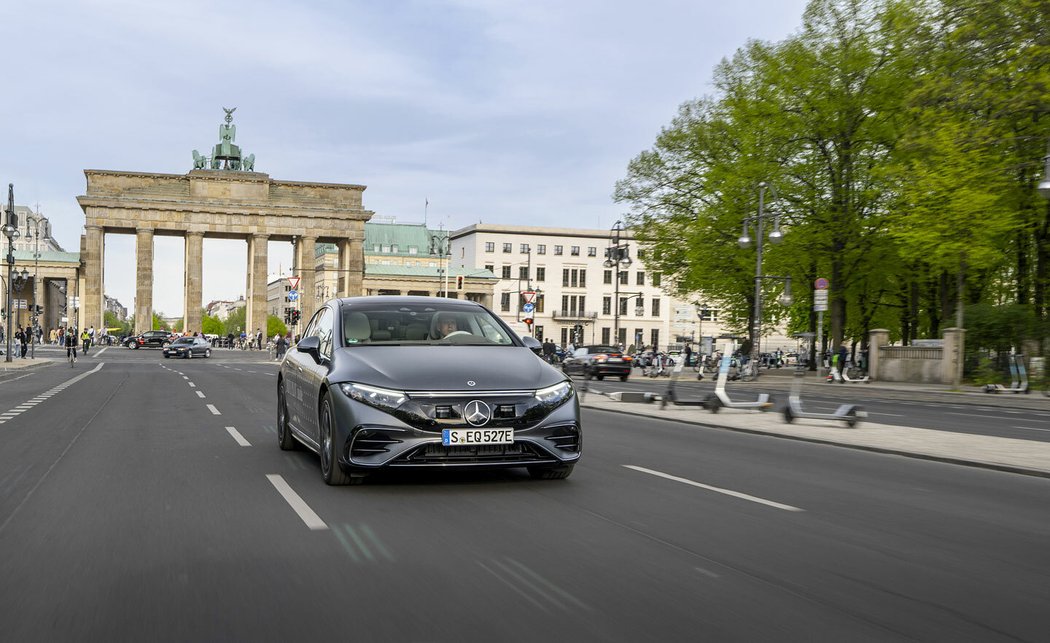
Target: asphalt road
[[149, 500]]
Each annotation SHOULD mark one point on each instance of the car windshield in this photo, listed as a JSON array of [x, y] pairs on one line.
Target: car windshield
[[436, 324], [182, 342]]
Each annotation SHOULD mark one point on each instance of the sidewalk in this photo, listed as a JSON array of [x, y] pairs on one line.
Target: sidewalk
[[1002, 454], [18, 366]]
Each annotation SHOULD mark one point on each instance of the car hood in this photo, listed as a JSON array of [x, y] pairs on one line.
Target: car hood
[[444, 368]]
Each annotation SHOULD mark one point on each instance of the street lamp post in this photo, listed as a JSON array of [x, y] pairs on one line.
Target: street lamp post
[[617, 255], [10, 230], [34, 320], [775, 237], [441, 246]]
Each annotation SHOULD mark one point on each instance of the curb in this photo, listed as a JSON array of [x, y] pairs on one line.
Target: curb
[[859, 447], [12, 373]]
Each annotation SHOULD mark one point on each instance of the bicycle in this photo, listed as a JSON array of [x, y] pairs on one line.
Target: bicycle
[[748, 372]]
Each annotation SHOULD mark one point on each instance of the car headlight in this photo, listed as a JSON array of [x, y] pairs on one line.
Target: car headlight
[[381, 398], [554, 395]]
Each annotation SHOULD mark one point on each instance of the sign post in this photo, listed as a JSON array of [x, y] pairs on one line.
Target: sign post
[[820, 304]]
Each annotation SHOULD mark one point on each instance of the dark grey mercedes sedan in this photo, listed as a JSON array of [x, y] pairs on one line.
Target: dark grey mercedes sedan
[[416, 382]]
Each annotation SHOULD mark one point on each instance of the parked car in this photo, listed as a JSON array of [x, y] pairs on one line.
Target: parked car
[[188, 347], [419, 382], [597, 362], [151, 339]]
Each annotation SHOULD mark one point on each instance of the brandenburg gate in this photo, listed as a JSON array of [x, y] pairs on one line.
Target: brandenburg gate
[[224, 198]]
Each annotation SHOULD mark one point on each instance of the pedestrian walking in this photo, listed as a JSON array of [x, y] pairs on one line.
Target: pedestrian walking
[[23, 339], [282, 346]]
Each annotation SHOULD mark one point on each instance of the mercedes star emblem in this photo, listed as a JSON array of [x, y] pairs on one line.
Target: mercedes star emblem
[[477, 413]]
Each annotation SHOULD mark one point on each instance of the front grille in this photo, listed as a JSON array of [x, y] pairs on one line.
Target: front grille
[[479, 454]]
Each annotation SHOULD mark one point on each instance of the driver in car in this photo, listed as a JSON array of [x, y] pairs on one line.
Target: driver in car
[[446, 325]]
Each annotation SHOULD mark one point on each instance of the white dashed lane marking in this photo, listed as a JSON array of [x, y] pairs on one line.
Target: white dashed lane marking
[[214, 411], [238, 437]]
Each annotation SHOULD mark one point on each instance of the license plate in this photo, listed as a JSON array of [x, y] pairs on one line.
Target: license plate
[[615, 359], [466, 437]]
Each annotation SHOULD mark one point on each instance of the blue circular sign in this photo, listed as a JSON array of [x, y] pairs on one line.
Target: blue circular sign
[[528, 308], [293, 295]]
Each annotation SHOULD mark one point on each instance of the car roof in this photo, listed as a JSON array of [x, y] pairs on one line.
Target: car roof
[[405, 299]]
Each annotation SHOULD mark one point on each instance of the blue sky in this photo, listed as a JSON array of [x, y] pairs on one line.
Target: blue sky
[[495, 111]]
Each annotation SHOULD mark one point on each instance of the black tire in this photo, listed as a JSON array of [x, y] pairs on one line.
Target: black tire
[[600, 377], [551, 473], [284, 432], [712, 403], [331, 472], [165, 344], [207, 352], [623, 378], [189, 353], [166, 356]]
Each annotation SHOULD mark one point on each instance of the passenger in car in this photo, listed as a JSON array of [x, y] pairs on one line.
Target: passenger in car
[[445, 325]]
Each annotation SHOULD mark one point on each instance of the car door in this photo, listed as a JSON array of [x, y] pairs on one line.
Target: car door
[[314, 372], [292, 369]]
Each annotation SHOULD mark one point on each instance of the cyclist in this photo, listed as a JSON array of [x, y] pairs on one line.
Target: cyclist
[[86, 338], [71, 345]]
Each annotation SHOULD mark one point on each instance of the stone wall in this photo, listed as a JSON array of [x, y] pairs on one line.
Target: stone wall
[[917, 364]]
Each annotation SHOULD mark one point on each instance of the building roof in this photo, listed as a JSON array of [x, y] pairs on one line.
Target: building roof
[[538, 231], [25, 257], [388, 235]]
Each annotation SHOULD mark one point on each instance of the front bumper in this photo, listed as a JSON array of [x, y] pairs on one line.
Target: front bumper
[[371, 439]]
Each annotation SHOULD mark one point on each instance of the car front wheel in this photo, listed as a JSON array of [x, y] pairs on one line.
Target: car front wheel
[[207, 352], [331, 472]]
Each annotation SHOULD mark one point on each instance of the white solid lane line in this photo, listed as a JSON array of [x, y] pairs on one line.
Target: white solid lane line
[[299, 506], [214, 411], [735, 494], [238, 437]]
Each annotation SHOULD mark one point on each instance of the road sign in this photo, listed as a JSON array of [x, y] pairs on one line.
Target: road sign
[[821, 284], [293, 295], [294, 282], [820, 301], [528, 295], [528, 308], [20, 304]]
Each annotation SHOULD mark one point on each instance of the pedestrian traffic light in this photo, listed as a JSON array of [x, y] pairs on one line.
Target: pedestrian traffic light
[[459, 282], [528, 319]]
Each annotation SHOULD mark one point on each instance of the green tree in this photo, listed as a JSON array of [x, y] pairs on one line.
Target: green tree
[[236, 321], [158, 321], [275, 326], [112, 321], [211, 325]]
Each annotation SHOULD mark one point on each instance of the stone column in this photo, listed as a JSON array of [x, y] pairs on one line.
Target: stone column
[[952, 356], [351, 267], [876, 338], [255, 315], [192, 295], [144, 280], [93, 256], [307, 262]]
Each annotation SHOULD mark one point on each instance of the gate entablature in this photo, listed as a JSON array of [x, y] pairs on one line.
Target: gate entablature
[[219, 204]]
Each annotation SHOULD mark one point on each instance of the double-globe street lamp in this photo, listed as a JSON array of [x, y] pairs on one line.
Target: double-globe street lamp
[[441, 246], [618, 256], [775, 237], [34, 314]]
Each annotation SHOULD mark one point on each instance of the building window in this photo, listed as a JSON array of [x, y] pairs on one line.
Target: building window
[[564, 336], [656, 279], [375, 248], [557, 250], [641, 278], [639, 307], [639, 334], [541, 274], [413, 250], [622, 340], [393, 248], [708, 314], [574, 251], [541, 248], [641, 253], [606, 305], [386, 249], [539, 333], [606, 334], [506, 272], [523, 272], [656, 307], [507, 247], [491, 268], [592, 251], [654, 338], [607, 277], [564, 304], [539, 303], [490, 246], [583, 278], [504, 302], [623, 306], [524, 248], [623, 278], [565, 277]]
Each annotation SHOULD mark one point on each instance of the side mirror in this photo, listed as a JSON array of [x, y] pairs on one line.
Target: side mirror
[[311, 346], [532, 344]]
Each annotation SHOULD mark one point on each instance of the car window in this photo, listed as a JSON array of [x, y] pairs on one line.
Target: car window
[[183, 340], [323, 331], [426, 323]]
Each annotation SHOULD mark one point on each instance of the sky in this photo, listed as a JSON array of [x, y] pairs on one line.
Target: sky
[[494, 111]]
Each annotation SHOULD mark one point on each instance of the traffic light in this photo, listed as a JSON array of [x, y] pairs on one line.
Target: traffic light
[[295, 317], [459, 282], [528, 319]]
